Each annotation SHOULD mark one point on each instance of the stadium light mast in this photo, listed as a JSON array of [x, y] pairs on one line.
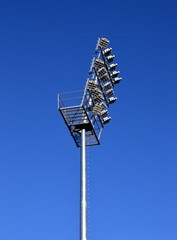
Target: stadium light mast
[[86, 112]]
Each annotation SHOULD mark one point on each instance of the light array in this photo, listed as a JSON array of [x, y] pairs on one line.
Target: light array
[[103, 80], [89, 109]]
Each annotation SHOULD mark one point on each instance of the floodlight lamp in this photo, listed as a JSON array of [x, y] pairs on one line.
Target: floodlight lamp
[[117, 80], [103, 42], [103, 105], [102, 71], [110, 58], [104, 113], [98, 63], [107, 85], [115, 74], [98, 99], [97, 109], [91, 85], [97, 95], [109, 92], [97, 90], [106, 120], [112, 100], [107, 51], [112, 66], [104, 77]]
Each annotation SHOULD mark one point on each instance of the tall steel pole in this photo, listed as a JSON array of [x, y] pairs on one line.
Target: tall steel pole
[[83, 204]]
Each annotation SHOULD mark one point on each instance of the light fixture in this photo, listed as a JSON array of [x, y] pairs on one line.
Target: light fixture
[[104, 113], [109, 92], [91, 85], [97, 94], [106, 120], [98, 63], [115, 74], [117, 80], [112, 100], [107, 85], [110, 58], [98, 98], [103, 42], [112, 66], [102, 71], [97, 109], [96, 90], [107, 51], [103, 105], [104, 77]]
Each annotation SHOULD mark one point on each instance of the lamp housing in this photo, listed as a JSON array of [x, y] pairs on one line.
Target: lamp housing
[[110, 58], [109, 92], [103, 42], [112, 100], [115, 74], [107, 51], [112, 66], [107, 85], [98, 63], [106, 120], [116, 80], [104, 113], [104, 77], [102, 71], [91, 85]]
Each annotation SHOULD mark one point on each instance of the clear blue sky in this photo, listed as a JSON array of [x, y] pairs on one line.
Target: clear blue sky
[[46, 48]]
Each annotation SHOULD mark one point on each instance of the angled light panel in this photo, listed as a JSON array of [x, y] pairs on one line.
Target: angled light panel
[[103, 42], [98, 63]]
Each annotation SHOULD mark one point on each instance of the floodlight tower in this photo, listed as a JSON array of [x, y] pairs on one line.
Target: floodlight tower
[[86, 112]]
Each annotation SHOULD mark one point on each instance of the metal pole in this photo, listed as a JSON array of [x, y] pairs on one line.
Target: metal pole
[[83, 206]]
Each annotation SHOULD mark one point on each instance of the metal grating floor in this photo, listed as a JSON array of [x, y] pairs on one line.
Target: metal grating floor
[[76, 118]]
